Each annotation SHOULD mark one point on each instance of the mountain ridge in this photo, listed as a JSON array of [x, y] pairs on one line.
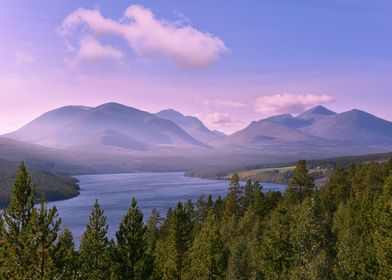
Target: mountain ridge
[[71, 125], [114, 127]]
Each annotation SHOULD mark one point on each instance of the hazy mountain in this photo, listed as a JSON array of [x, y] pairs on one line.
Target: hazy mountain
[[354, 126], [109, 124], [116, 138], [276, 136], [317, 131], [113, 139], [219, 133], [191, 125], [289, 121], [316, 113]]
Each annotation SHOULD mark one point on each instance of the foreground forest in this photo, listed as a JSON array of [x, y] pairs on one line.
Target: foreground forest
[[340, 231]]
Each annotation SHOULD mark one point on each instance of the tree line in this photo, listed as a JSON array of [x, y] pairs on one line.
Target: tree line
[[55, 187], [340, 231]]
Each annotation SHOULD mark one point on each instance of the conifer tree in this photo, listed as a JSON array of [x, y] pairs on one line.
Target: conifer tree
[[352, 226], [153, 224], [210, 203], [45, 225], [178, 243], [132, 246], [207, 257], [165, 228], [383, 231], [250, 233], [277, 250], [301, 181], [240, 267], [2, 246], [18, 212], [259, 204], [18, 251], [233, 199], [309, 239], [201, 210], [65, 257], [248, 194], [94, 247], [219, 208]]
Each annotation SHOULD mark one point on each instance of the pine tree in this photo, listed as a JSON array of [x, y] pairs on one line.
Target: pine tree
[[259, 204], [233, 199], [239, 267], [2, 246], [301, 181], [383, 231], [94, 247], [45, 227], [65, 257], [309, 239], [17, 249], [153, 224], [210, 203], [18, 212], [249, 193], [207, 257], [219, 208], [353, 229], [178, 243], [277, 250], [201, 210], [132, 246]]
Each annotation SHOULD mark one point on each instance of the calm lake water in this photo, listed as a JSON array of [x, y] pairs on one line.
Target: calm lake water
[[152, 190]]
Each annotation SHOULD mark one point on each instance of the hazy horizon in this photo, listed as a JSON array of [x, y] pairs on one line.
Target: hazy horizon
[[227, 66]]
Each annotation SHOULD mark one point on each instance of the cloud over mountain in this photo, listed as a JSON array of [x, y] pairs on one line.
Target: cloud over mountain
[[220, 120], [146, 35], [224, 103], [289, 103]]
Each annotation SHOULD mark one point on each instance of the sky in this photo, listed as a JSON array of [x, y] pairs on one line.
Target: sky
[[226, 62]]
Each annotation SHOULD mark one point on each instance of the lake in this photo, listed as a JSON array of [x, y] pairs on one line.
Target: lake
[[152, 190]]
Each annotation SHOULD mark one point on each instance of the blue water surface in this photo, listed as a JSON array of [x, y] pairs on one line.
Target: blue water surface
[[152, 190]]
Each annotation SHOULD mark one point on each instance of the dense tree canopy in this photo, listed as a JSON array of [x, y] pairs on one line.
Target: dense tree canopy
[[340, 231]]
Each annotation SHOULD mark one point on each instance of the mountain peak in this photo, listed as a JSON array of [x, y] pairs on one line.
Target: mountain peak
[[169, 114], [111, 106], [280, 117], [191, 125], [316, 112]]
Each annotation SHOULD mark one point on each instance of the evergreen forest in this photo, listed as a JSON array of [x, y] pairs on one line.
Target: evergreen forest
[[342, 230]]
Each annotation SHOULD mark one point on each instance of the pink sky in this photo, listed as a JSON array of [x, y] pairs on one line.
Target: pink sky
[[152, 59]]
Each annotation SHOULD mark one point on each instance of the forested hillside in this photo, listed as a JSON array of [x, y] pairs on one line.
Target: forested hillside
[[55, 187], [341, 231], [281, 173]]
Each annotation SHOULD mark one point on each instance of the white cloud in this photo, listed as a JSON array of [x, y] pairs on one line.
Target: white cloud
[[148, 36], [23, 57], [224, 103], [92, 49], [289, 103], [219, 120]]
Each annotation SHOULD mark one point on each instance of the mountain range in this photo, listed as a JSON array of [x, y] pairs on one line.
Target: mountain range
[[117, 131]]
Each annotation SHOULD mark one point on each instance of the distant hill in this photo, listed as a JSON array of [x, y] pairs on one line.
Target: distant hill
[[192, 125], [280, 173], [113, 138], [316, 113], [354, 126], [55, 187], [79, 126], [316, 132]]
